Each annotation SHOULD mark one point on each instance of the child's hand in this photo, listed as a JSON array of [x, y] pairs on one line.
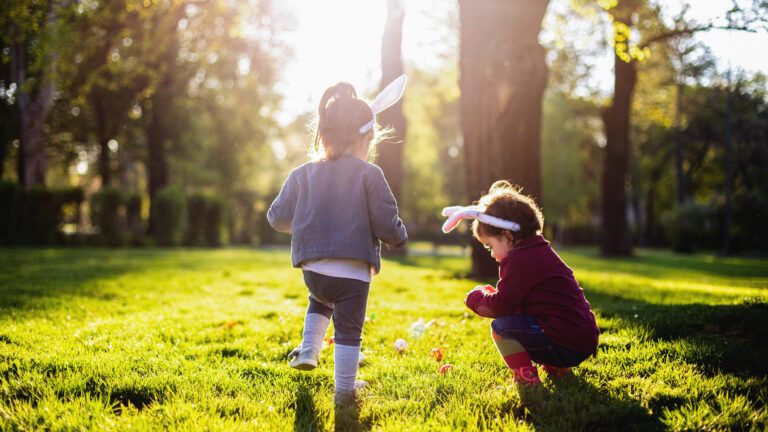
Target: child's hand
[[487, 289], [469, 293], [474, 299]]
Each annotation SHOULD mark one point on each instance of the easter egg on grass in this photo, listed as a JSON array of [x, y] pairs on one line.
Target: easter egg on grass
[[401, 345], [445, 368], [436, 354]]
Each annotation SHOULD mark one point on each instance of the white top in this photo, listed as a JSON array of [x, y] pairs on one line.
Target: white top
[[340, 267]]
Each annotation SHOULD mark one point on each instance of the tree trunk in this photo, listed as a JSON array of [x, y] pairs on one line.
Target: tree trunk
[[503, 77], [391, 150], [105, 170], [679, 176], [32, 162], [616, 238], [729, 171], [651, 232], [3, 151], [157, 158]]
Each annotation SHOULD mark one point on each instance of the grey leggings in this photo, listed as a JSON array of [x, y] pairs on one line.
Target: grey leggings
[[343, 299]]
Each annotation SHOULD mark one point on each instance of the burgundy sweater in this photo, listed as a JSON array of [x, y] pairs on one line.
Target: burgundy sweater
[[534, 281]]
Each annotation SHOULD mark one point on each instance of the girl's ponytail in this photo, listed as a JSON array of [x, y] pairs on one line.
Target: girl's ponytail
[[339, 116]]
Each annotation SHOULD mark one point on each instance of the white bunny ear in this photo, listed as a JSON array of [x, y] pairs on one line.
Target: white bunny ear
[[390, 95], [449, 211], [457, 215]]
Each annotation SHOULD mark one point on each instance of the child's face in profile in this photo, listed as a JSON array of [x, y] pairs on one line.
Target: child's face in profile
[[498, 246]]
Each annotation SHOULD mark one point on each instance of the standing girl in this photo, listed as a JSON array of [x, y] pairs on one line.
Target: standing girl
[[540, 312], [338, 209]]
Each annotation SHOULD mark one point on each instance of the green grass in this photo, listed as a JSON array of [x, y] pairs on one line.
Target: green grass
[[196, 340]]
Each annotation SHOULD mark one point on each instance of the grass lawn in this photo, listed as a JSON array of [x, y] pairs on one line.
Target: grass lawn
[[196, 340]]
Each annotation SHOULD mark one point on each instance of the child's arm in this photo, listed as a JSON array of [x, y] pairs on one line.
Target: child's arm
[[382, 211], [510, 291], [472, 300], [280, 213]]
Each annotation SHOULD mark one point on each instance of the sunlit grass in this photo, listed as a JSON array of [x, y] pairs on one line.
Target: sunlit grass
[[194, 340]]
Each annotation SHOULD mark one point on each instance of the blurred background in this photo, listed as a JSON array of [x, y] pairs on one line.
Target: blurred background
[[634, 123]]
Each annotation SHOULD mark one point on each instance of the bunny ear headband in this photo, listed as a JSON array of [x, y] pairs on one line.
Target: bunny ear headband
[[388, 97], [458, 213]]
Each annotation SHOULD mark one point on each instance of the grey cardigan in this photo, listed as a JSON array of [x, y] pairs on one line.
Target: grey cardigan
[[340, 208]]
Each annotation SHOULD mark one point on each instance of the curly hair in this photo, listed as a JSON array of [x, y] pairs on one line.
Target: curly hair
[[507, 202]]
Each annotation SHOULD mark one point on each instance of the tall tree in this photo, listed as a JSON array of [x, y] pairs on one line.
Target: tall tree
[[31, 37], [391, 151], [631, 17], [107, 76], [616, 239], [9, 122], [502, 78]]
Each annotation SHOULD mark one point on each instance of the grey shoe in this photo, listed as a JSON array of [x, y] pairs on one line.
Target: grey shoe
[[303, 360]]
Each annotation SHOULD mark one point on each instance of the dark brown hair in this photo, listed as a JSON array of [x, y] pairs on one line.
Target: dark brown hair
[[340, 115], [507, 202]]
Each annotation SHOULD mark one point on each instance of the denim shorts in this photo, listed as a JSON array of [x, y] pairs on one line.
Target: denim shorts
[[526, 330]]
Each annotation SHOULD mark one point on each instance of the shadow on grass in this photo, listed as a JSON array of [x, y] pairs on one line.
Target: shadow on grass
[[575, 404], [347, 418], [731, 337], [306, 417], [662, 263], [32, 277]]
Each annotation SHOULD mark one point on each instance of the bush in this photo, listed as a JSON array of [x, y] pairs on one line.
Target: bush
[[39, 214], [9, 204], [204, 221], [106, 207], [581, 234], [691, 226], [214, 216], [168, 216], [133, 215]]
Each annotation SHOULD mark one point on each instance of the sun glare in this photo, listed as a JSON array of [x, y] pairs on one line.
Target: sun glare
[[334, 40], [340, 40]]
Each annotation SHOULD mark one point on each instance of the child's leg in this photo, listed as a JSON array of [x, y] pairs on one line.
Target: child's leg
[[511, 351], [315, 325], [348, 319], [517, 359], [349, 298], [316, 322], [515, 336]]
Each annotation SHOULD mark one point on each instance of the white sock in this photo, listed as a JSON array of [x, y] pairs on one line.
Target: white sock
[[315, 326], [345, 367]]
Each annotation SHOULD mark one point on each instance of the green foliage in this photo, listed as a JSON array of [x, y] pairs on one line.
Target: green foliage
[[571, 159], [690, 226], [204, 223], [432, 159], [107, 211], [9, 205], [168, 216], [40, 212], [133, 214], [196, 340]]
